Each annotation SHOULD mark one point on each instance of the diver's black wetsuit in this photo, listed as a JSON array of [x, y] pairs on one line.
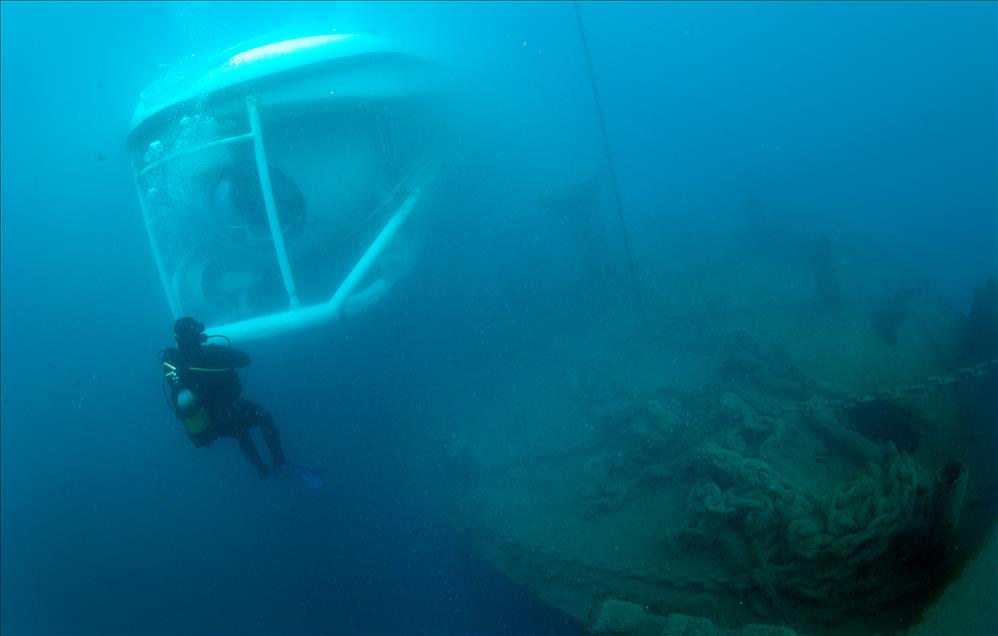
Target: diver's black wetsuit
[[209, 371]]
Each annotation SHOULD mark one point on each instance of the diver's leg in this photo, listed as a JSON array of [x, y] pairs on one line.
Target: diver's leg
[[251, 453], [271, 437]]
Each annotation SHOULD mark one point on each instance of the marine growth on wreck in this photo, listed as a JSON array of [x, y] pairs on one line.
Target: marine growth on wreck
[[767, 462]]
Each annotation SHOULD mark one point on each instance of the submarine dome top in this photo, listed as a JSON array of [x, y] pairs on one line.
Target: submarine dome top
[[251, 62]]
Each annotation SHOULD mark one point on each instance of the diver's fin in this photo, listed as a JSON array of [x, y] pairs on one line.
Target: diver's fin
[[307, 476]]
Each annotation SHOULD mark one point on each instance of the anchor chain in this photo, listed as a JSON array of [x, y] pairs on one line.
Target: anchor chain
[[931, 383]]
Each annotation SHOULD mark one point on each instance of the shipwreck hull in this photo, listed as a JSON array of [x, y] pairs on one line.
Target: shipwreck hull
[[767, 462]]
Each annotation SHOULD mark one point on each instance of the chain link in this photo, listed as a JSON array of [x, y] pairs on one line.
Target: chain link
[[930, 384]]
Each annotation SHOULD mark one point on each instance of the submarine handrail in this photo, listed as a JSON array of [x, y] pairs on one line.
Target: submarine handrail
[[263, 171], [276, 323], [180, 154], [171, 298]]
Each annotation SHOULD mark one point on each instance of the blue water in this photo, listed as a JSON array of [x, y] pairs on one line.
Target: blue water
[[880, 116]]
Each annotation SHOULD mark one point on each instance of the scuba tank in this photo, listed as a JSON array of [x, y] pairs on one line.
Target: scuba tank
[[188, 406], [185, 403], [191, 412]]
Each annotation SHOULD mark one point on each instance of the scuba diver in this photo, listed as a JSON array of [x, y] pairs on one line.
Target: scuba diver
[[204, 394]]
